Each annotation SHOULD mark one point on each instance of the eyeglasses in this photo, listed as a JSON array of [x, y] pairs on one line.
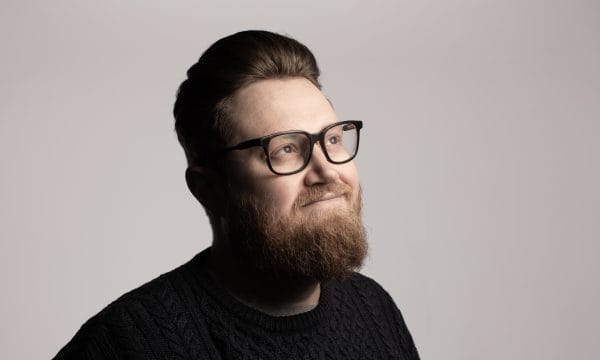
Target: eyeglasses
[[289, 152]]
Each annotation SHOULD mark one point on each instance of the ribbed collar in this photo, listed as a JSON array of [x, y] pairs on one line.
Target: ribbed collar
[[230, 304]]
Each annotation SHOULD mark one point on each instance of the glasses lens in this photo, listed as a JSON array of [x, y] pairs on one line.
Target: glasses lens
[[341, 142], [288, 152]]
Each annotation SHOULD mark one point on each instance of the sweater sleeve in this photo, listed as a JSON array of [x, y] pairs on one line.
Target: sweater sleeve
[[109, 335], [396, 321], [387, 312], [92, 342]]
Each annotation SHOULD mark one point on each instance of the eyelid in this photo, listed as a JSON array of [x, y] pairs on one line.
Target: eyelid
[[279, 148]]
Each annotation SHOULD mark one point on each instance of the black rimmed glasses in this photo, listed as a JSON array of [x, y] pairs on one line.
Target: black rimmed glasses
[[289, 152]]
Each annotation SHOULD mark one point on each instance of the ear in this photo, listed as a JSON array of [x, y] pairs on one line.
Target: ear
[[208, 188]]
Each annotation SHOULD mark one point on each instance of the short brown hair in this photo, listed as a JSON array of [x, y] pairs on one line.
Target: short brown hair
[[233, 62]]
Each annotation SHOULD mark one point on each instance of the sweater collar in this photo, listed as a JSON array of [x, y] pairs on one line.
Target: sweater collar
[[228, 303]]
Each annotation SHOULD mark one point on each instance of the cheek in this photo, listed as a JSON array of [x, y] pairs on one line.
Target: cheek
[[277, 193], [349, 175], [253, 178], [280, 193]]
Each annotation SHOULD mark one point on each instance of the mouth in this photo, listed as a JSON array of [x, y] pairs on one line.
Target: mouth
[[325, 198]]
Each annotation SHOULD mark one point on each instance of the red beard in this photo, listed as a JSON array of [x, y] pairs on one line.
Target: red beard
[[322, 245]]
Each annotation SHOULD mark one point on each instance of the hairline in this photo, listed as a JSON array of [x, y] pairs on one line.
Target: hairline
[[223, 122]]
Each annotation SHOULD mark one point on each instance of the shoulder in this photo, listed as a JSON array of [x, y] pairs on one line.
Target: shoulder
[[377, 307], [149, 297], [362, 294], [132, 320], [365, 286], [371, 295], [377, 303]]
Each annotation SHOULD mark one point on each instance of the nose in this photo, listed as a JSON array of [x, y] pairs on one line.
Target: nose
[[319, 169]]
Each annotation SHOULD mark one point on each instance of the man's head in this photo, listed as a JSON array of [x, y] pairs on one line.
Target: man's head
[[202, 108], [307, 223]]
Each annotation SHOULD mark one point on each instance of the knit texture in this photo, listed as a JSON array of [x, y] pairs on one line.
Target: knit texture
[[187, 314]]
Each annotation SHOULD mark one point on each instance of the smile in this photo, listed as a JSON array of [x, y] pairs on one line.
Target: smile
[[324, 199]]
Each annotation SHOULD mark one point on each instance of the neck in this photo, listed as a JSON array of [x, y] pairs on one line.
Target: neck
[[274, 296]]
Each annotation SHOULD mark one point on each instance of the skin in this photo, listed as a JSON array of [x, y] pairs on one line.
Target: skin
[[262, 108]]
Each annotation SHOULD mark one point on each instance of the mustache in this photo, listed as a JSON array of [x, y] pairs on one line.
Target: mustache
[[316, 192]]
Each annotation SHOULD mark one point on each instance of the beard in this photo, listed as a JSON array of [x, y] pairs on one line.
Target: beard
[[320, 245]]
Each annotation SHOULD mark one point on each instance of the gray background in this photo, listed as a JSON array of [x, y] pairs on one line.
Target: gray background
[[479, 161]]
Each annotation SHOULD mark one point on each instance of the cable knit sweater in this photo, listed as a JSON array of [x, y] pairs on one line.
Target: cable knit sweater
[[186, 314]]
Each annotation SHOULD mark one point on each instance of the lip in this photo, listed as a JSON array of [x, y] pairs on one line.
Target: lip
[[326, 197]]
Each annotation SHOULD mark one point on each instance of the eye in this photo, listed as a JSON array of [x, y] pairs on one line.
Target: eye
[[334, 140], [284, 150]]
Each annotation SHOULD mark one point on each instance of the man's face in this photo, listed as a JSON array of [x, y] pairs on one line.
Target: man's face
[[306, 223]]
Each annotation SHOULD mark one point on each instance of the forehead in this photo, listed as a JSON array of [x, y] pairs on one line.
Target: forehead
[[274, 105]]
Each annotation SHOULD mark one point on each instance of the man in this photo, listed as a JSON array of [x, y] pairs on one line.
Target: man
[[273, 167]]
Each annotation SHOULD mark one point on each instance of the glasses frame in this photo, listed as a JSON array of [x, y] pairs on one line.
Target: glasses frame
[[319, 137]]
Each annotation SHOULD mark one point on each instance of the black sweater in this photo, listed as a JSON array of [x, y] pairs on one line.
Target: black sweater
[[186, 314]]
